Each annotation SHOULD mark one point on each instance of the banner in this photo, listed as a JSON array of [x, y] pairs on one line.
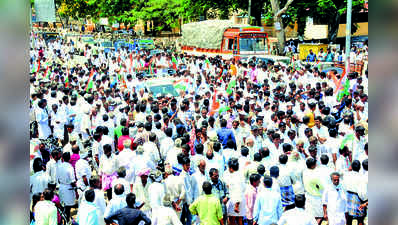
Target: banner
[[45, 10]]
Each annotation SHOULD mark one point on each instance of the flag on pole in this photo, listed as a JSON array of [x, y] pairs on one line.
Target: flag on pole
[[231, 85], [174, 61], [207, 62], [67, 80], [215, 105], [131, 61], [46, 72], [90, 82]]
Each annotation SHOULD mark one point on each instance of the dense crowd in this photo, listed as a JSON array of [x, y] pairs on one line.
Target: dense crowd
[[242, 142]]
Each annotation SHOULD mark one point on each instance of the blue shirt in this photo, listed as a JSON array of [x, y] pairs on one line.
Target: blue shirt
[[311, 57], [224, 134], [268, 207]]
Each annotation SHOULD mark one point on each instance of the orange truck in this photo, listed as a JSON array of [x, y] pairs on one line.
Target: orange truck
[[222, 37]]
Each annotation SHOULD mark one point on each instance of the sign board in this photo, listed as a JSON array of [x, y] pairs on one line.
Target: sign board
[[45, 11], [253, 35]]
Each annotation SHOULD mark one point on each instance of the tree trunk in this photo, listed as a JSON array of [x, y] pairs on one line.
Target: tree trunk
[[333, 27], [280, 33]]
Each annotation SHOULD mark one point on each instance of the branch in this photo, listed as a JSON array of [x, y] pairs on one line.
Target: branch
[[284, 8]]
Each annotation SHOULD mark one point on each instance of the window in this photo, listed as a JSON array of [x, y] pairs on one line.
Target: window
[[229, 43]]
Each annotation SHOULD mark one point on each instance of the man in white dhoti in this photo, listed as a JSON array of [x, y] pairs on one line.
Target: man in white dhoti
[[334, 202]]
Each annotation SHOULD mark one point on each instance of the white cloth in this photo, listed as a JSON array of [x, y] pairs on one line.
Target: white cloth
[[165, 216], [82, 169], [116, 203], [336, 202], [126, 159], [297, 216], [108, 165], [66, 176], [52, 167], [42, 121], [38, 182], [46, 213], [236, 185], [197, 182], [157, 192]]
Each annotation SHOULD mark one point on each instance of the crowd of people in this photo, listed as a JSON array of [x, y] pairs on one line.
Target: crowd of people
[[242, 142]]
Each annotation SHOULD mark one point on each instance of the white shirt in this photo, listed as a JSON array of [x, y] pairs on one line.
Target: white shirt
[[52, 170], [108, 165], [166, 145], [82, 169], [151, 151], [157, 192], [198, 180], [336, 202], [297, 216], [188, 185], [165, 216], [126, 159], [66, 173], [116, 203], [46, 213], [39, 181]]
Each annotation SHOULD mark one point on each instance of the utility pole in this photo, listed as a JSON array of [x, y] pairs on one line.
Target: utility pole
[[250, 12], [348, 37]]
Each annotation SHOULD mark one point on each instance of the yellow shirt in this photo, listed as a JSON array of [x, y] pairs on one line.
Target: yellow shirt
[[310, 114], [208, 207]]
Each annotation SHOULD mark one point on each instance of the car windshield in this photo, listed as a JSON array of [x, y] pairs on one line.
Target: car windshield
[[163, 90], [252, 44]]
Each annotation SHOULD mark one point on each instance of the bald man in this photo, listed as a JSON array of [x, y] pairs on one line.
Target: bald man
[[198, 178]]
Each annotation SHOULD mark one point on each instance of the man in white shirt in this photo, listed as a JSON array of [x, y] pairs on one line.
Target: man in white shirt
[[83, 173], [107, 169], [46, 211], [186, 216], [297, 216], [126, 159], [334, 202], [87, 214], [39, 180], [268, 206], [116, 203], [52, 166], [67, 184], [198, 178]]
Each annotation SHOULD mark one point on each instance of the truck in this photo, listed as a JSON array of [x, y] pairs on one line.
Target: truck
[[224, 38]]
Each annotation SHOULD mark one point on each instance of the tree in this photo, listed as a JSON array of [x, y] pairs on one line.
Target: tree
[[280, 28]]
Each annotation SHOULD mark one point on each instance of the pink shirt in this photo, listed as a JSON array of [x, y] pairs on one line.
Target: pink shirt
[[250, 196]]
